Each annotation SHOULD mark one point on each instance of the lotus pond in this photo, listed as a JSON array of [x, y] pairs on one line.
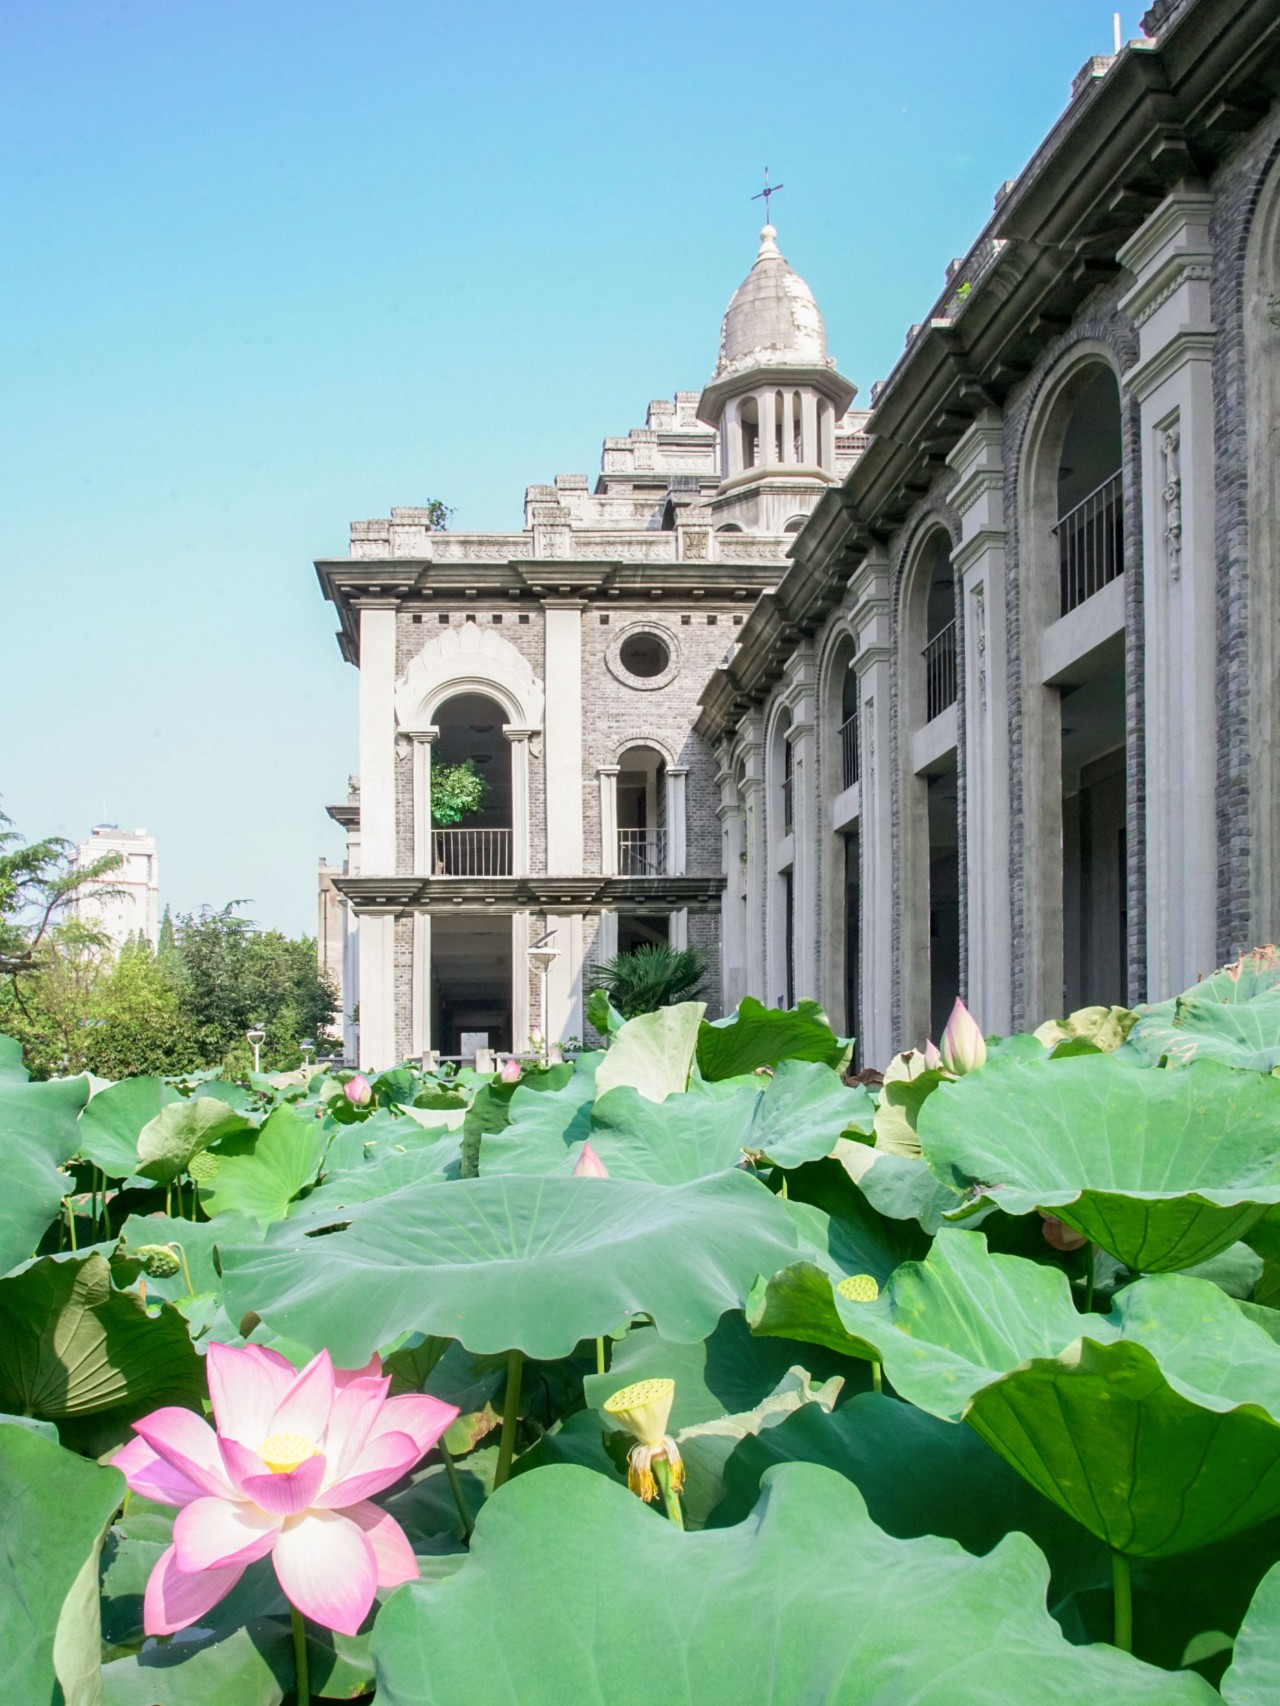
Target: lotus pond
[[688, 1371]]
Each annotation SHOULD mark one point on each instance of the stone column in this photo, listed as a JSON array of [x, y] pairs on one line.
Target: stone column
[[1171, 258], [518, 740], [423, 740], [377, 991], [733, 948], [758, 874], [378, 739], [810, 452], [805, 874], [420, 1009], [678, 929], [564, 979], [979, 561], [608, 776], [521, 1021], [873, 664], [606, 937], [731, 440], [563, 738], [677, 832], [768, 428]]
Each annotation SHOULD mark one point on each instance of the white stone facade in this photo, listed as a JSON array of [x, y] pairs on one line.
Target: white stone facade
[[124, 903], [568, 660]]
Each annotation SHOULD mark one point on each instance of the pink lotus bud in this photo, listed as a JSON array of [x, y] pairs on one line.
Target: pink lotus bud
[[932, 1059], [963, 1049], [589, 1165], [510, 1073], [358, 1092], [1059, 1235]]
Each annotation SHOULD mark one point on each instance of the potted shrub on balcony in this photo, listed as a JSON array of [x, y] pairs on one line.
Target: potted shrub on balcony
[[457, 790]]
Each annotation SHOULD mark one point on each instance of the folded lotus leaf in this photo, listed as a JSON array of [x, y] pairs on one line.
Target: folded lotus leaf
[[37, 1131], [757, 1035], [111, 1121], [1253, 1678], [171, 1140], [532, 1263], [1163, 1169], [585, 1595], [1157, 1427]]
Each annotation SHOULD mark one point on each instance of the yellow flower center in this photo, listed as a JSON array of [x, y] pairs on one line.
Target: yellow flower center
[[859, 1288], [282, 1453]]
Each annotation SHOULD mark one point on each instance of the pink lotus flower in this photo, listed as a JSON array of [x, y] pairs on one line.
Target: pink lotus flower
[[589, 1165], [932, 1059], [511, 1069], [358, 1091], [963, 1048], [290, 1471]]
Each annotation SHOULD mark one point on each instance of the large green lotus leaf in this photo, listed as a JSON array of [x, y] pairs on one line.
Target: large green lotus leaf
[[1253, 1678], [37, 1131], [1200, 1028], [73, 1348], [1163, 1169], [586, 1595], [112, 1120], [170, 1141], [56, 1507], [757, 1035], [900, 1187], [381, 1174], [12, 1071], [653, 1052], [199, 1240], [260, 1172], [533, 1263], [251, 1665]]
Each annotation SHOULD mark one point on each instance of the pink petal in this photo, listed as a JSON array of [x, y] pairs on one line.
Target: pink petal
[[372, 1370], [245, 1388], [189, 1444], [213, 1533], [306, 1406], [424, 1419], [356, 1407], [241, 1461], [382, 1462], [287, 1495], [391, 1549], [272, 1359], [327, 1568], [589, 1165], [151, 1477], [174, 1598]]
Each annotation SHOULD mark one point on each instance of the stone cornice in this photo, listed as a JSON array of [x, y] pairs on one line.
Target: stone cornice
[[1192, 343], [403, 895]]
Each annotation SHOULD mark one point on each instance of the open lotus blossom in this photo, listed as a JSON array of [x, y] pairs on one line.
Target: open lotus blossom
[[963, 1048], [358, 1091], [589, 1165], [290, 1470], [643, 1410]]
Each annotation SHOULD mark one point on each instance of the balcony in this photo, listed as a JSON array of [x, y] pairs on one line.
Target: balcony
[[642, 852], [1091, 543], [940, 672], [471, 852], [849, 766]]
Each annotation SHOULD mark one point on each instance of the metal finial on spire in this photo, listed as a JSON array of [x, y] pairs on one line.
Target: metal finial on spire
[[768, 190]]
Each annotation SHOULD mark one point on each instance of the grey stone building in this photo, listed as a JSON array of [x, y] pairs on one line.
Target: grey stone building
[[975, 693], [567, 662], [1006, 726]]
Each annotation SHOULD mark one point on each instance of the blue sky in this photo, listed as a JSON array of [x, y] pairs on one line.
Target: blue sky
[[272, 267]]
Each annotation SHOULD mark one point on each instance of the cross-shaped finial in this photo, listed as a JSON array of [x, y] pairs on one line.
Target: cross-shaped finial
[[768, 190]]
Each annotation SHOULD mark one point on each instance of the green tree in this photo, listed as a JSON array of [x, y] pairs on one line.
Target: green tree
[[50, 1006], [138, 1020]]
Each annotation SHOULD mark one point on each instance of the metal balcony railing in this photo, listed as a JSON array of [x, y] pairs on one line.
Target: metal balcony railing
[[940, 672], [849, 764], [1091, 543], [471, 852], [642, 852]]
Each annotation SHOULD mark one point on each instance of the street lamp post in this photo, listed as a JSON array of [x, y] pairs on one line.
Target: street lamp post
[[308, 1049], [256, 1036], [540, 955]]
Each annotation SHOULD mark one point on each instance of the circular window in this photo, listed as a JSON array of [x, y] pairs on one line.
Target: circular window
[[644, 654]]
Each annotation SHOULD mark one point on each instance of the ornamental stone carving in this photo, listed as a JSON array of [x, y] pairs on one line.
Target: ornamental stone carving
[[469, 659], [1171, 497]]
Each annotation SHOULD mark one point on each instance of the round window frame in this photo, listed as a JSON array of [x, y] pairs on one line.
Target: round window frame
[[643, 683]]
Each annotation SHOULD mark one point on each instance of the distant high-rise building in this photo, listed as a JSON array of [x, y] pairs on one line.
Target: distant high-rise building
[[125, 902]]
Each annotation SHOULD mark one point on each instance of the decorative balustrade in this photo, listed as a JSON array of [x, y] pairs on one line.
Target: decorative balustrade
[[849, 763], [940, 672], [471, 852], [1091, 543], [642, 852]]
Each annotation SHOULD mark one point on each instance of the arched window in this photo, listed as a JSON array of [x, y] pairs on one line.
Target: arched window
[[749, 425], [1090, 496], [642, 812], [471, 839]]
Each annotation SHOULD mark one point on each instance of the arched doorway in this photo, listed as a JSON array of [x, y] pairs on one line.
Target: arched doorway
[[478, 843]]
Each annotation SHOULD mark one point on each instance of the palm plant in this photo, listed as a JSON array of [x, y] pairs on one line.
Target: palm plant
[[651, 976]]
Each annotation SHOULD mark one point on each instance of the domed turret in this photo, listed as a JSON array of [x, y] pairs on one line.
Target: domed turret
[[773, 319], [775, 396]]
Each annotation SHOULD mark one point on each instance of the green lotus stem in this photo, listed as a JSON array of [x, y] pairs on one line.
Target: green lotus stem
[[877, 1378], [71, 1219], [510, 1412], [1123, 1583], [301, 1682], [451, 1470], [168, 1201], [186, 1271], [670, 1498], [599, 1356], [1089, 1265]]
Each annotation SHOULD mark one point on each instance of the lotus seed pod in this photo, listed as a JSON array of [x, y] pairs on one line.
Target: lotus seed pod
[[859, 1288], [159, 1261], [204, 1167]]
